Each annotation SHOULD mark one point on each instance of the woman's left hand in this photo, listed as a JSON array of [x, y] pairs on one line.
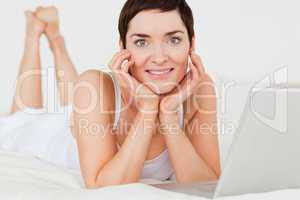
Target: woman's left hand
[[190, 83]]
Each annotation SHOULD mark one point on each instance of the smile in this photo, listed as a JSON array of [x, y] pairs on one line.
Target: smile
[[160, 72]]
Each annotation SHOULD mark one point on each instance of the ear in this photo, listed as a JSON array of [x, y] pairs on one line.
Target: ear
[[193, 45], [121, 46]]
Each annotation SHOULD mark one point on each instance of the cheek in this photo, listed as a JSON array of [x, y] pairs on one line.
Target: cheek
[[180, 59], [140, 58], [180, 54]]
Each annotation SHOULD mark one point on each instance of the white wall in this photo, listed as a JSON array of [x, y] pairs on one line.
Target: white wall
[[238, 39]]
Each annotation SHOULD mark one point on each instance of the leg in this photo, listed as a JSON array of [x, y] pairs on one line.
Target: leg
[[66, 73], [65, 70], [28, 89]]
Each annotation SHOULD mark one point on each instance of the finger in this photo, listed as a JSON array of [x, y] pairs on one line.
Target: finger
[[125, 67], [195, 72], [186, 85], [186, 90], [127, 81], [112, 60], [185, 78], [123, 74], [113, 63], [116, 55], [193, 75], [120, 59], [188, 80], [196, 60]]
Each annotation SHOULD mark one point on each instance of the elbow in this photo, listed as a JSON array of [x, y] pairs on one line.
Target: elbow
[[211, 177], [214, 177], [217, 173], [90, 185], [93, 184]]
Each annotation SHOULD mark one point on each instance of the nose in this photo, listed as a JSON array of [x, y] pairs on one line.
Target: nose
[[159, 55]]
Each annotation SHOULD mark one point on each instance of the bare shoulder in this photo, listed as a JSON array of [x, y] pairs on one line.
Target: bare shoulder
[[96, 83], [96, 78], [93, 97]]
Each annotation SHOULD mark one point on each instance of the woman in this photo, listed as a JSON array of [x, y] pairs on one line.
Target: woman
[[149, 118], [164, 119]]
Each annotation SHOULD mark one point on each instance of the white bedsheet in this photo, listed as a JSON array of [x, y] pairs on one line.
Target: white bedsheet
[[25, 177]]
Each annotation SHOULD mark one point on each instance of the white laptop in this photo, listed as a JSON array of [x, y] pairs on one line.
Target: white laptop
[[264, 155]]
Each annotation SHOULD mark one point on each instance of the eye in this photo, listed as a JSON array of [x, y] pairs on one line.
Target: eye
[[141, 43], [175, 40]]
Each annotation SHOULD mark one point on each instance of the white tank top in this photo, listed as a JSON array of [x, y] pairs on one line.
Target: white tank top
[[160, 167]]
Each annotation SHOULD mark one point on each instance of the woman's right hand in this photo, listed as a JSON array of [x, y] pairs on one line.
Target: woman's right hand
[[144, 99]]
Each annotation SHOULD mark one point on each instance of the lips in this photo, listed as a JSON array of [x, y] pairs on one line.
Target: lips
[[159, 71]]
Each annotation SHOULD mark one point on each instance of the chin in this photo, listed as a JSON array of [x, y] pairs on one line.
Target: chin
[[162, 86], [161, 90]]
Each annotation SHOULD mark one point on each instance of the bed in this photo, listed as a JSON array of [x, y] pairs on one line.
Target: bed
[[26, 177]]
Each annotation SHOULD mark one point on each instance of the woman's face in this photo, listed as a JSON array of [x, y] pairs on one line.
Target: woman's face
[[159, 45]]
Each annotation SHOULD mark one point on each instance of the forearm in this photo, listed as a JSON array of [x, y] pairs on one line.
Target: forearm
[[127, 164], [188, 165]]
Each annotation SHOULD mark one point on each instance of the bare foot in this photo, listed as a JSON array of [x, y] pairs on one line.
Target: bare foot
[[34, 26], [49, 15]]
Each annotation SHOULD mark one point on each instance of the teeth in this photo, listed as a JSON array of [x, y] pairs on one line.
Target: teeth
[[159, 72]]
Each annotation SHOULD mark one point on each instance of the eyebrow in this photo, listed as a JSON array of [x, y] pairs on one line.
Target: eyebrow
[[174, 32], [148, 36]]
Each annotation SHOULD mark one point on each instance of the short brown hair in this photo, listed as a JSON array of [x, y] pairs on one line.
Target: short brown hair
[[133, 7]]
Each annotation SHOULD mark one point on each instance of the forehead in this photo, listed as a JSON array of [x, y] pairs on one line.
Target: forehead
[[156, 22]]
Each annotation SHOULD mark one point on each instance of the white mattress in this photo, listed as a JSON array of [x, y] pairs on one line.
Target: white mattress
[[25, 177]]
